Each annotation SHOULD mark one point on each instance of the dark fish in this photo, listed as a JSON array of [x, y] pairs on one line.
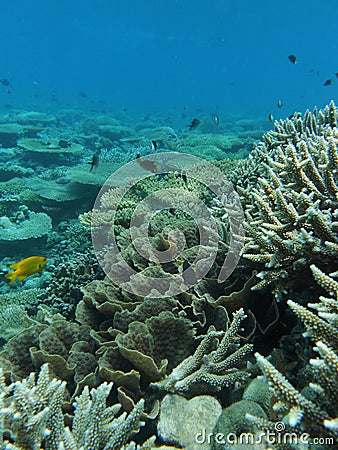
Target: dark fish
[[270, 117], [184, 178], [64, 144], [124, 109], [154, 145], [328, 82], [194, 124], [83, 94], [5, 82], [279, 103], [8, 106], [188, 274], [336, 74], [292, 59], [146, 164], [216, 120], [94, 162]]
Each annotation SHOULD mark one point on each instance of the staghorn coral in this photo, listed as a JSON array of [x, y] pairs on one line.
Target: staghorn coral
[[64, 288], [291, 210], [32, 416], [314, 410], [26, 225], [214, 365], [26, 413]]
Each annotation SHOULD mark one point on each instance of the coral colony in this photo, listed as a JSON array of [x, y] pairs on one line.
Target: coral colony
[[87, 364]]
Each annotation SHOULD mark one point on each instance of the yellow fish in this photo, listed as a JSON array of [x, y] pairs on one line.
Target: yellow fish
[[26, 267]]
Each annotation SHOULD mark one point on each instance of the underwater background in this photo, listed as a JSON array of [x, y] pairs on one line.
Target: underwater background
[[163, 55], [168, 225]]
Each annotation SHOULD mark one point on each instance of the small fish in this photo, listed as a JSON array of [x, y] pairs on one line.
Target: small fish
[[5, 82], [279, 103], [328, 82], [26, 267], [64, 144], [124, 109], [336, 74], [271, 118], [83, 94], [216, 120], [146, 164], [292, 59], [194, 124], [94, 162], [154, 145]]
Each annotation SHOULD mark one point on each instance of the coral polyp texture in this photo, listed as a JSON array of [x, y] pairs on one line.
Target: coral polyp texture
[[289, 187]]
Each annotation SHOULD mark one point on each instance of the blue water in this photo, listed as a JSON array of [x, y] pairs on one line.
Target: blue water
[[161, 55]]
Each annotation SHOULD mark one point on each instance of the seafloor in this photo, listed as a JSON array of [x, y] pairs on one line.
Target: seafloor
[[248, 360]]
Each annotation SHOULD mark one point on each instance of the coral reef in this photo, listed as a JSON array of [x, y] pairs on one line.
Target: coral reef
[[63, 292], [13, 312], [31, 414], [215, 365], [314, 410], [182, 420], [290, 189], [24, 225], [116, 349]]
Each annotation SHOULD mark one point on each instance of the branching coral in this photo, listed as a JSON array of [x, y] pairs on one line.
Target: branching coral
[[214, 365], [315, 409], [31, 413], [291, 217]]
